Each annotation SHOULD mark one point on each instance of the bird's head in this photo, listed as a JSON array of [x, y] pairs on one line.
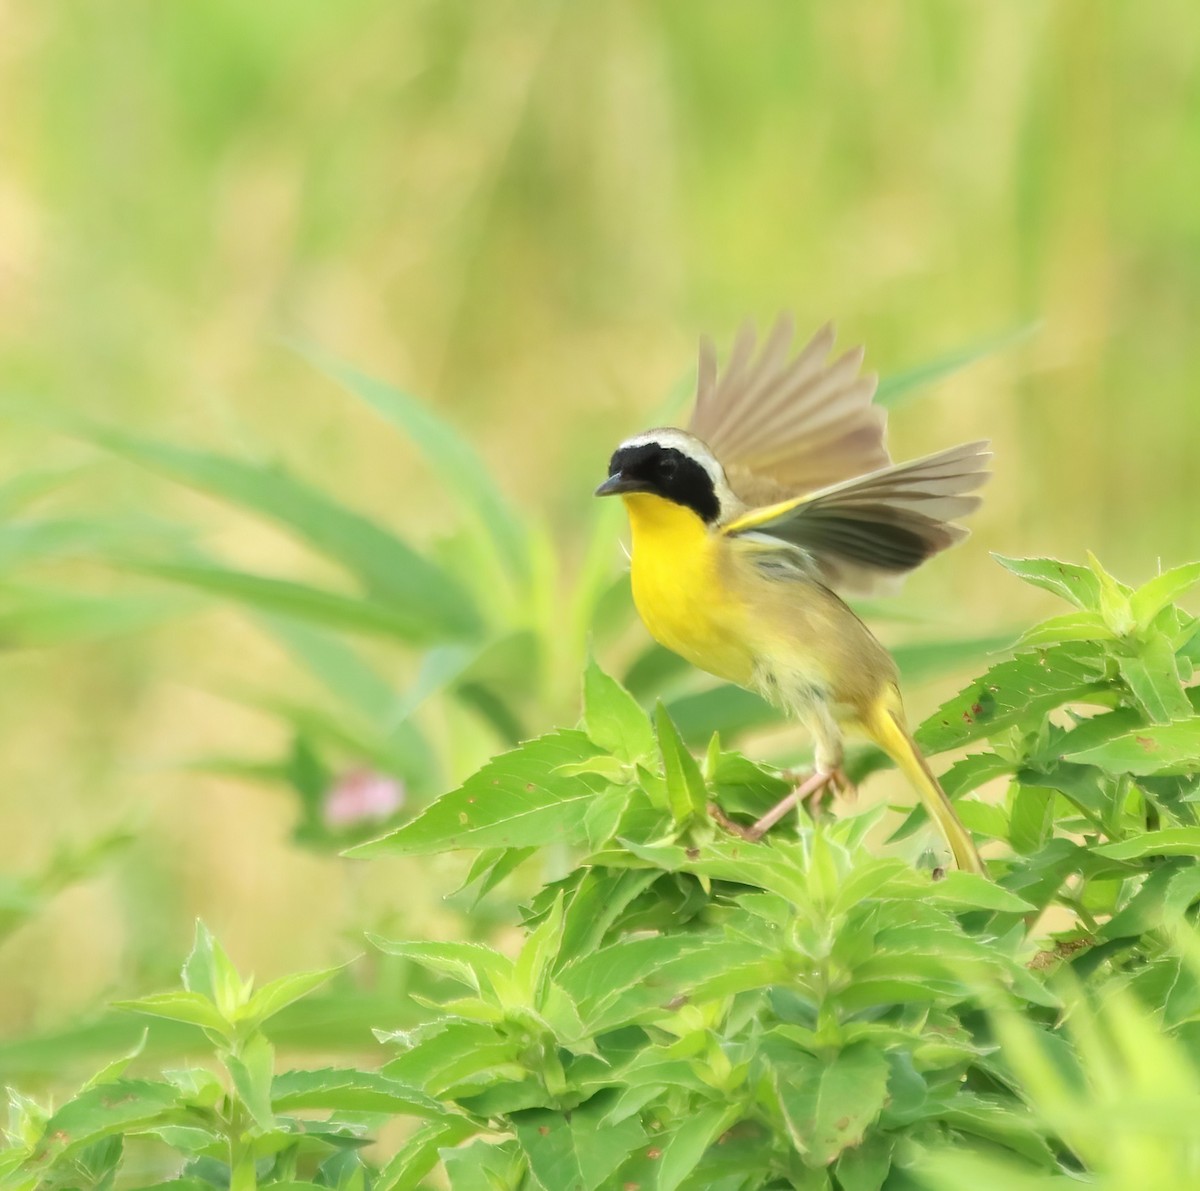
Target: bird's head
[[672, 465]]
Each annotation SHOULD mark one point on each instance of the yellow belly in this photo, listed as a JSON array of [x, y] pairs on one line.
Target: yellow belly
[[680, 590]]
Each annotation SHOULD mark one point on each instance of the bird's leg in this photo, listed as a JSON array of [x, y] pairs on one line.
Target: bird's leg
[[812, 788], [827, 770]]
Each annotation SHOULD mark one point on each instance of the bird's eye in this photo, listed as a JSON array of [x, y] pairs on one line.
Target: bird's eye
[[668, 466]]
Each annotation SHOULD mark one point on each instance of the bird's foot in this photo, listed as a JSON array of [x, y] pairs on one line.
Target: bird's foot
[[810, 791], [838, 782]]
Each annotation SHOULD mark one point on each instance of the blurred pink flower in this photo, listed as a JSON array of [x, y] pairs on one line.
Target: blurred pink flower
[[362, 795]]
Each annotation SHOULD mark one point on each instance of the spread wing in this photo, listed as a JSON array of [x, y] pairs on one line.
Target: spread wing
[[860, 531], [782, 425]]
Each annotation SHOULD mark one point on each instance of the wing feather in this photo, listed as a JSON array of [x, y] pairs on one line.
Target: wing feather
[[783, 425], [884, 523]]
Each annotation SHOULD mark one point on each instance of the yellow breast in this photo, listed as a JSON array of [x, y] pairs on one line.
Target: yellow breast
[[680, 588]]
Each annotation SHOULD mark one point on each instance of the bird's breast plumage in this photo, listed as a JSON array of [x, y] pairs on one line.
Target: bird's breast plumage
[[683, 590]]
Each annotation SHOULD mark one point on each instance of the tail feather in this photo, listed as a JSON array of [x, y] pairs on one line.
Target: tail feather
[[886, 728]]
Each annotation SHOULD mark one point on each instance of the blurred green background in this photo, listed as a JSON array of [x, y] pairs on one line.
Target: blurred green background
[[525, 212]]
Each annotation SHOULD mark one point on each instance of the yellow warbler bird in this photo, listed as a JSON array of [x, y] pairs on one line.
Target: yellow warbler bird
[[745, 526]]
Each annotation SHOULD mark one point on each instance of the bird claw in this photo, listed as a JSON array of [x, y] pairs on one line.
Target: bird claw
[[811, 792]]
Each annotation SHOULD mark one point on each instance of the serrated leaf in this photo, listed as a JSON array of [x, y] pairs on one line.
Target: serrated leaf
[[475, 965], [120, 1106], [251, 1070], [279, 994], [865, 1167], [614, 720], [961, 889], [686, 792], [828, 1104], [1069, 580], [407, 1168], [1072, 626], [520, 799], [342, 1090], [1153, 677], [484, 1166], [182, 1006], [692, 1137], [1151, 598], [575, 1151], [209, 971], [1171, 841], [1018, 691], [1155, 749]]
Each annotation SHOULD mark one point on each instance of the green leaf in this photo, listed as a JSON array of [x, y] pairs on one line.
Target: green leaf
[[1114, 599], [1018, 691], [116, 1068], [484, 1166], [686, 1145], [1077, 584], [343, 1090], [576, 1151], [183, 1006], [1172, 841], [474, 964], [1158, 749], [902, 384], [865, 1167], [1153, 677], [686, 792], [1031, 822], [383, 563], [969, 890], [407, 1168], [614, 720], [519, 799], [279, 994], [251, 1070], [1151, 598], [465, 475], [209, 971], [38, 616], [329, 608], [121, 1106], [531, 970], [828, 1104], [1072, 626]]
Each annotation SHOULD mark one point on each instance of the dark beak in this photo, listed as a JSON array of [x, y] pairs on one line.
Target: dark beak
[[616, 484]]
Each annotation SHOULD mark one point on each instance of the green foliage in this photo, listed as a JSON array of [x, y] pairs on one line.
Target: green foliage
[[231, 1120], [689, 1011], [500, 633]]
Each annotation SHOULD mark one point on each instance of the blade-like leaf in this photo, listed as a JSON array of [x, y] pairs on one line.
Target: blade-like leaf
[[519, 799], [828, 1104], [1073, 582], [1020, 690], [685, 784], [901, 385], [384, 564], [332, 609], [1151, 598], [614, 720], [464, 473], [350, 1091], [1166, 748]]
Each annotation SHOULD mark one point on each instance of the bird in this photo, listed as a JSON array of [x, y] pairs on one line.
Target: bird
[[750, 526]]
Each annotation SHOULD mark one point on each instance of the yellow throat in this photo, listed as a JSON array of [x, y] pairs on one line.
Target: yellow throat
[[681, 589]]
